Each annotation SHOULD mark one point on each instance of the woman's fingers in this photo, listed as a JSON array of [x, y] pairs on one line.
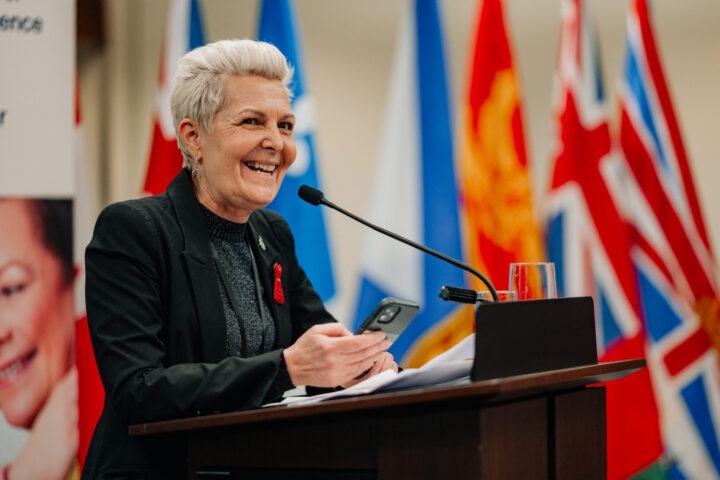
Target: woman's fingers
[[366, 353], [369, 365], [332, 329], [357, 343], [377, 366], [384, 361], [388, 363], [54, 436], [328, 355]]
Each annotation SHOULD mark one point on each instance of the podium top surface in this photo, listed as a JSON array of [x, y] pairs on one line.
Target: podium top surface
[[481, 392]]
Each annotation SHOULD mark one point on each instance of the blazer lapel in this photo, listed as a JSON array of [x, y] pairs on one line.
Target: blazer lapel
[[200, 267], [267, 257]]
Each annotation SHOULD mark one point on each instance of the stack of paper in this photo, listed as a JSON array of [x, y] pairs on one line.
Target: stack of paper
[[453, 366]]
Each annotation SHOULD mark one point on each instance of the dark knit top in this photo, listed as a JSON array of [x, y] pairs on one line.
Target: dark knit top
[[234, 253], [236, 262]]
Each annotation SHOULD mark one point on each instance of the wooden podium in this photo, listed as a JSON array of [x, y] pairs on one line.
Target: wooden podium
[[544, 425]]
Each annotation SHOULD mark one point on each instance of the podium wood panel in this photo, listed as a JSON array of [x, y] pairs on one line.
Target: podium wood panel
[[542, 425], [572, 442], [514, 440]]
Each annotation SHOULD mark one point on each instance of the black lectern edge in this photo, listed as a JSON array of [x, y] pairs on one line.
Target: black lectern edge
[[484, 390]]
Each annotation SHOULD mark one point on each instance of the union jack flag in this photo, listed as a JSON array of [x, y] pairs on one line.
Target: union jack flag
[[624, 225], [676, 271]]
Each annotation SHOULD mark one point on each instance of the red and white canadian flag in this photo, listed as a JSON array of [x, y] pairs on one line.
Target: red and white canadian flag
[[183, 32]]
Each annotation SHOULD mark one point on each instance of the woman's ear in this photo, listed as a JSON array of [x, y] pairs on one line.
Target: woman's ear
[[190, 135]]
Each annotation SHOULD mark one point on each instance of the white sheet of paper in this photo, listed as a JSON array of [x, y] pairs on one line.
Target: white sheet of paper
[[362, 388], [465, 349]]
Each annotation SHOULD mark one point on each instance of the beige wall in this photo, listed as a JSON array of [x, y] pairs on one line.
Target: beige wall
[[348, 48]]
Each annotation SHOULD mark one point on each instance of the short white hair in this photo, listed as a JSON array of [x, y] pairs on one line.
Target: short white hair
[[199, 92]]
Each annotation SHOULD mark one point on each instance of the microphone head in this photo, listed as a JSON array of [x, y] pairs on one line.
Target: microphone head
[[459, 295], [311, 195]]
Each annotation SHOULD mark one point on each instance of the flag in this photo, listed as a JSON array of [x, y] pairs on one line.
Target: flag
[[676, 270], [183, 32], [312, 245], [493, 163], [415, 191], [589, 240], [495, 188]]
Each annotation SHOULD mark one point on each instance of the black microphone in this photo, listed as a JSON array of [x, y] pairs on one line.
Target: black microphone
[[311, 195], [459, 295], [315, 197]]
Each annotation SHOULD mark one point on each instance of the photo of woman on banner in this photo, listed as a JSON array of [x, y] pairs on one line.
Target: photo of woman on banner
[[38, 379]]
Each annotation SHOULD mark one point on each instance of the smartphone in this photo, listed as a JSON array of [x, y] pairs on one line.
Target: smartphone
[[391, 316]]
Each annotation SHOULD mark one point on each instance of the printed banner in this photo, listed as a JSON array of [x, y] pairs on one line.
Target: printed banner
[[38, 381], [37, 47]]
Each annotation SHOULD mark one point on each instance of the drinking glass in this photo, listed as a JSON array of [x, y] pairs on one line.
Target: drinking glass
[[503, 296], [485, 297], [533, 281]]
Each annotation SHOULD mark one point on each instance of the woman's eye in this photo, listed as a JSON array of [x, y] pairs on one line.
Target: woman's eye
[[287, 126], [9, 290], [250, 121]]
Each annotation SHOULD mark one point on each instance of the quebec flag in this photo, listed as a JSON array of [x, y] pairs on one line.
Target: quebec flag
[[277, 26], [415, 191]]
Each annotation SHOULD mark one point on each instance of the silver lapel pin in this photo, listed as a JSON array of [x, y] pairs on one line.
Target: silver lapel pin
[[261, 242]]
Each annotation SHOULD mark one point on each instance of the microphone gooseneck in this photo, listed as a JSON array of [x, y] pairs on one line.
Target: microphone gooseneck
[[316, 197]]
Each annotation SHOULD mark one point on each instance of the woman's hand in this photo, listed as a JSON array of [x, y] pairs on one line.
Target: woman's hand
[[51, 449], [386, 363], [328, 355]]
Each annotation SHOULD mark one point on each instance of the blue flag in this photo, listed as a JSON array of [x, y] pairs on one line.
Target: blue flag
[[415, 190], [277, 26]]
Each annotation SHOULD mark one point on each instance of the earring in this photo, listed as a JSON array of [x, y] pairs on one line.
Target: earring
[[194, 172]]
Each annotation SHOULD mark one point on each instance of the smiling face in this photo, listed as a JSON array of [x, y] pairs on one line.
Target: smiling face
[[243, 159], [36, 316]]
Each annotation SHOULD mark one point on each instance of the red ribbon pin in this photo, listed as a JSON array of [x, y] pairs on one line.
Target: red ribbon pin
[[278, 293]]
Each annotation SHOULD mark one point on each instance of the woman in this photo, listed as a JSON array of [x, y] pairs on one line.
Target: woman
[[196, 303], [38, 382]]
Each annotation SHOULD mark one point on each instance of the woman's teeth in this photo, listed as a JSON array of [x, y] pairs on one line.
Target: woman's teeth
[[261, 167], [10, 371]]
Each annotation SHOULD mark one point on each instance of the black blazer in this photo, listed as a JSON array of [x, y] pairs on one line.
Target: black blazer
[[158, 328]]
